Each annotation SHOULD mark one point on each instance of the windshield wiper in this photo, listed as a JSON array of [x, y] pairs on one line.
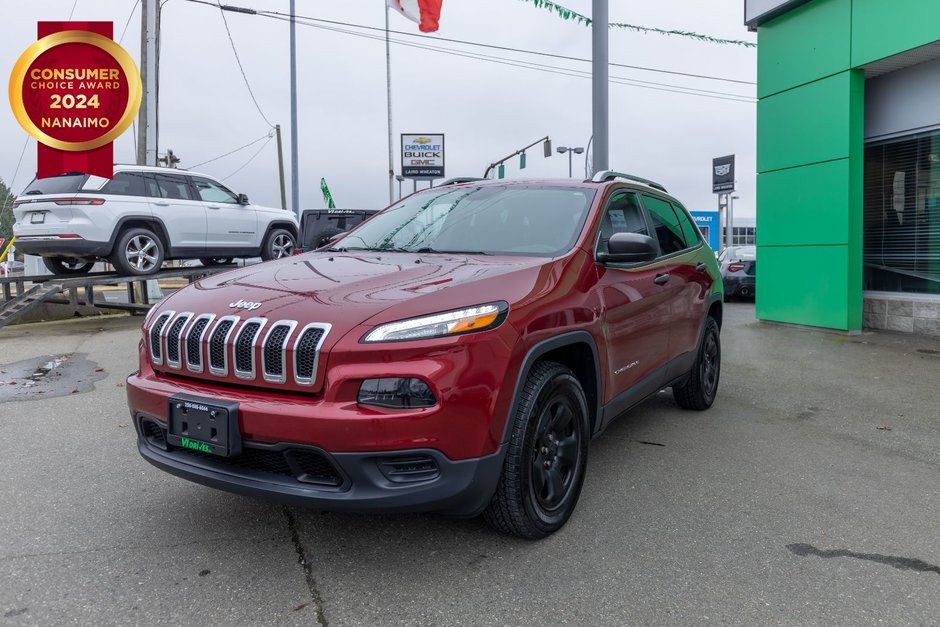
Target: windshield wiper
[[428, 249], [34, 192]]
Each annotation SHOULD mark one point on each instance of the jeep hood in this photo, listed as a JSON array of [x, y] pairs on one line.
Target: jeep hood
[[349, 289]]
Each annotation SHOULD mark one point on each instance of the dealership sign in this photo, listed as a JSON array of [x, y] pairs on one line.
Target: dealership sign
[[422, 156], [723, 174], [75, 90]]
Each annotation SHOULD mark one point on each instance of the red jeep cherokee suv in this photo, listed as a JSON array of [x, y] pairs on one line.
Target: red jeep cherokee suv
[[456, 352]]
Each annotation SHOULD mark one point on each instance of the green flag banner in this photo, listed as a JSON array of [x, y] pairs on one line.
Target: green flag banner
[[327, 196], [567, 14]]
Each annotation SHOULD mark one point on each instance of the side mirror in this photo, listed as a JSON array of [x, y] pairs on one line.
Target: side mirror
[[629, 248], [243, 199]]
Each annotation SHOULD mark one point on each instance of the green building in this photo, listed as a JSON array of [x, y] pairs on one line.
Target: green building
[[848, 162]]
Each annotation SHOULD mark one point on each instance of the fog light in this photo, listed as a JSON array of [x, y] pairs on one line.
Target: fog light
[[396, 393]]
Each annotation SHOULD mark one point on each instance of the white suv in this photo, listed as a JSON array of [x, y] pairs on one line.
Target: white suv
[[142, 217]]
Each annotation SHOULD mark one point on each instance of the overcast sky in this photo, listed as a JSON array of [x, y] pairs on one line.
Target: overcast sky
[[486, 109]]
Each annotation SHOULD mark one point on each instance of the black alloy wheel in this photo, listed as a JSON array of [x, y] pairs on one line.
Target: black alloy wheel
[[699, 391], [547, 458]]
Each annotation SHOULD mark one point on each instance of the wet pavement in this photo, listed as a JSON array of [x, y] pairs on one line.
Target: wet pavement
[[808, 494]]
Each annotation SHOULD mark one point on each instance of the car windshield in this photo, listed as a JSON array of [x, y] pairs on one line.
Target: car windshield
[[491, 219]]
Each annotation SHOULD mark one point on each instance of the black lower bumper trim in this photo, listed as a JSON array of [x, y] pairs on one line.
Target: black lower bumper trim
[[460, 488], [63, 247]]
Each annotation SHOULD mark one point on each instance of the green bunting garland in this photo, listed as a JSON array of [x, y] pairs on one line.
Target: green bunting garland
[[567, 14]]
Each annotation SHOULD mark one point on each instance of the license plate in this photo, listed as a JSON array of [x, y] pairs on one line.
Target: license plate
[[203, 426], [37, 217]]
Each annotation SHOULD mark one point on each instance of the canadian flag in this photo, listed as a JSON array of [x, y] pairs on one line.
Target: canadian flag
[[427, 13]]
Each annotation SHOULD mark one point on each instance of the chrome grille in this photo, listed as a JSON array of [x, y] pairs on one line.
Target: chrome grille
[[218, 362], [156, 348], [243, 349], [307, 352], [194, 338], [209, 345], [173, 340], [274, 355]]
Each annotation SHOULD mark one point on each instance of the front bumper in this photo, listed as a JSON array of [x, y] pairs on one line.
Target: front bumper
[[361, 481]]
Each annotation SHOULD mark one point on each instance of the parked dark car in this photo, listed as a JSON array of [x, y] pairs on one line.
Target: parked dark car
[[318, 226], [738, 266]]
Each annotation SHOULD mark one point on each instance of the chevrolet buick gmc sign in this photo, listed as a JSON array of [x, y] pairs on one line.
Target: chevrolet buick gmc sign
[[723, 174], [422, 156]]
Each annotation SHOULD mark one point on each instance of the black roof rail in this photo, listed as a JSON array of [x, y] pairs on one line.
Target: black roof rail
[[608, 175]]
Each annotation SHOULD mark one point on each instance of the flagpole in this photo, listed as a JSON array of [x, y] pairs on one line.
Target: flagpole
[[388, 86]]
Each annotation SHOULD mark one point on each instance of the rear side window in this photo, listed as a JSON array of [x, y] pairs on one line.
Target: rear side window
[[688, 229], [668, 231], [63, 184], [173, 186], [210, 191], [126, 184]]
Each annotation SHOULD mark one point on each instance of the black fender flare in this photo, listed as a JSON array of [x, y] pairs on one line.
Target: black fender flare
[[533, 355]]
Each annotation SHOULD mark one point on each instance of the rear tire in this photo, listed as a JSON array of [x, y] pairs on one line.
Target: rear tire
[[137, 252], [215, 261], [278, 243], [699, 391], [547, 457], [66, 266]]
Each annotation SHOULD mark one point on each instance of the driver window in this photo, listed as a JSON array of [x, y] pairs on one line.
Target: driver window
[[622, 215], [210, 191]]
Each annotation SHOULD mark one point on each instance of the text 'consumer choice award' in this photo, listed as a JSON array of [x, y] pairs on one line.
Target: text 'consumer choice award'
[[75, 91]]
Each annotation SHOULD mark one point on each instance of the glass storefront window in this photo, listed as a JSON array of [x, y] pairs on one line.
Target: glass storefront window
[[902, 215]]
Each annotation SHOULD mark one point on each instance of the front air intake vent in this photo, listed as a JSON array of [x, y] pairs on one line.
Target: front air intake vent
[[173, 340], [156, 347], [218, 341], [307, 352], [243, 349], [274, 352], [194, 338]]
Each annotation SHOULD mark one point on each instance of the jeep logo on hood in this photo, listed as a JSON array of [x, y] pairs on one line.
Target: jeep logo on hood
[[245, 304]]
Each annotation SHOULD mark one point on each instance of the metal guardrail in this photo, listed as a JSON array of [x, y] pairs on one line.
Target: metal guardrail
[[19, 293]]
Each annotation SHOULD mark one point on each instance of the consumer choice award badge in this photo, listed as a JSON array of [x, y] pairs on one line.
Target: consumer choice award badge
[[75, 91]]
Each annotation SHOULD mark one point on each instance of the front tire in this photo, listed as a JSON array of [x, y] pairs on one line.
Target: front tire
[[699, 391], [137, 252], [547, 458], [279, 243], [67, 266]]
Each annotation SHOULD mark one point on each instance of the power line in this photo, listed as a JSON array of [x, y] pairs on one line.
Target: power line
[[250, 159], [544, 68], [472, 43], [242, 69], [72, 12], [232, 152], [128, 22], [505, 48]]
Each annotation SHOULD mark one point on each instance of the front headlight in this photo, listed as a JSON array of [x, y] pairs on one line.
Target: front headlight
[[444, 324]]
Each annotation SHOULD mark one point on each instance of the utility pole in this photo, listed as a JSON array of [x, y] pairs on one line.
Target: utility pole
[[600, 99], [147, 117], [294, 168], [388, 87], [280, 164]]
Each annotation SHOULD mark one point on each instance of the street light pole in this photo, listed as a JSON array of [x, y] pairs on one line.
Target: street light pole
[[571, 152], [599, 77], [294, 167]]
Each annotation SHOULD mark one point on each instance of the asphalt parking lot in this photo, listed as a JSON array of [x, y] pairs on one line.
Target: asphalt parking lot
[[808, 494]]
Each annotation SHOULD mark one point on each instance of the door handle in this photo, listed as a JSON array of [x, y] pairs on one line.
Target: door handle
[[701, 267], [216, 208], [661, 279], [162, 204]]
